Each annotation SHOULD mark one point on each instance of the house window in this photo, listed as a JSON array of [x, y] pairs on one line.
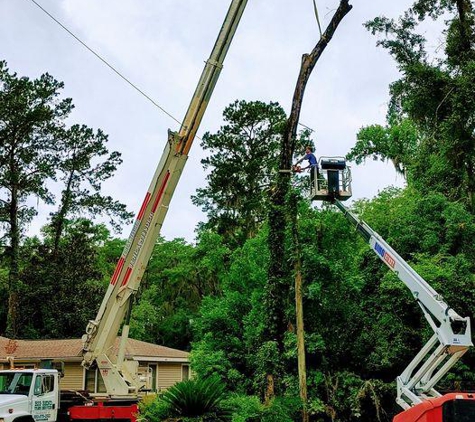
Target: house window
[[94, 382], [154, 377], [185, 372]]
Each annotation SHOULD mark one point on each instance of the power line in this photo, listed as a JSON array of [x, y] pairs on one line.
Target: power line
[[107, 64]]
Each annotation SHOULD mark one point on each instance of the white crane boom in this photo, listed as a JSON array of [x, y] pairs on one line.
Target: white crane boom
[[120, 377]]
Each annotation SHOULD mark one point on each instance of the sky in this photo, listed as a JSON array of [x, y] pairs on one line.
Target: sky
[[161, 46]]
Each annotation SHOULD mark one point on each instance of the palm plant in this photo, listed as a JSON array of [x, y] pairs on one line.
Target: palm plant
[[199, 397]]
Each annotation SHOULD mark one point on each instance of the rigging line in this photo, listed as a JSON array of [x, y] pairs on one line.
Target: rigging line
[[307, 127], [316, 16], [107, 64]]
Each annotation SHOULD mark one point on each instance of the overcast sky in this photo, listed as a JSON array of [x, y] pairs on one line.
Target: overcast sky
[[161, 46]]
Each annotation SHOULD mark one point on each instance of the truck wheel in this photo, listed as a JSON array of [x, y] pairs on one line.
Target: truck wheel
[[24, 419]]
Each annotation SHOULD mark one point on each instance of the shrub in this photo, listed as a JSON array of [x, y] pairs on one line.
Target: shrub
[[193, 400], [250, 409]]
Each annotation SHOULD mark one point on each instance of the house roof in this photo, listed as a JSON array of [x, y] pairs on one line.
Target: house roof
[[71, 349]]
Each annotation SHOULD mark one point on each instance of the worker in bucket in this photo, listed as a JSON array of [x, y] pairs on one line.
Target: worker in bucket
[[312, 164]]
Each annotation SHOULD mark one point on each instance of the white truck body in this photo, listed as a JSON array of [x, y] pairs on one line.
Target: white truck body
[[29, 395]]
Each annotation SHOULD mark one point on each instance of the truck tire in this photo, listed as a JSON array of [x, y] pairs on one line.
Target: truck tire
[[24, 419]]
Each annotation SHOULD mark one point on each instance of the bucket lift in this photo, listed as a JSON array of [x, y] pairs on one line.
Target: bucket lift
[[416, 392], [332, 180]]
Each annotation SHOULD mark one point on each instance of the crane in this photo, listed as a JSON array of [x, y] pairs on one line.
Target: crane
[[120, 376], [34, 394], [416, 392]]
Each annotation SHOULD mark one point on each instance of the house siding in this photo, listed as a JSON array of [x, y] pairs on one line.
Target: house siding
[[162, 365], [168, 375], [73, 376]]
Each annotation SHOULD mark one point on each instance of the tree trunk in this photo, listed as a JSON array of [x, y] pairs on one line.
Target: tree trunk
[[302, 368], [58, 219], [277, 287], [13, 252], [463, 8]]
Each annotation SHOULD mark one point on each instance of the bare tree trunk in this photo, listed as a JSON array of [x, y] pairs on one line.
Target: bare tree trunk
[[279, 270], [302, 368]]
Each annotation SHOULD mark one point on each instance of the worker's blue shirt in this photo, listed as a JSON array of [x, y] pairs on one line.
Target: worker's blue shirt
[[312, 160]]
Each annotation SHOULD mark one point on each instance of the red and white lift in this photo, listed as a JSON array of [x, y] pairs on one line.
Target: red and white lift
[[416, 392]]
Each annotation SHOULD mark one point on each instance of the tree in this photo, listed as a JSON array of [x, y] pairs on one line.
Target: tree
[[397, 142], [178, 277], [431, 125], [227, 329], [276, 289], [30, 116], [36, 146], [243, 159], [79, 150], [63, 288]]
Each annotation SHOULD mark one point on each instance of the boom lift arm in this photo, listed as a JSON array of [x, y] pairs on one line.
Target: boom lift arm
[[120, 377], [451, 338]]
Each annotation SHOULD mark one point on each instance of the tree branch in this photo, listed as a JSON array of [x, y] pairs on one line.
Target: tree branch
[[308, 63]]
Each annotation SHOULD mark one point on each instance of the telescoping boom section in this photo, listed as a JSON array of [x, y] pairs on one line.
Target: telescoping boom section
[[121, 377], [452, 338]]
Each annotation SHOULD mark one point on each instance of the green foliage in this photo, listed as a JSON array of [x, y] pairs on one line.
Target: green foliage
[[250, 409], [61, 291], [246, 408], [285, 409], [433, 99], [157, 410], [243, 158], [229, 325], [179, 275], [397, 142], [197, 399], [84, 163]]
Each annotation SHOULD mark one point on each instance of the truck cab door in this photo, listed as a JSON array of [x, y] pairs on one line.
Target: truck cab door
[[45, 398]]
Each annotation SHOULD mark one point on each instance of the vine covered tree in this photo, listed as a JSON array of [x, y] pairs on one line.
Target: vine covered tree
[[280, 211]]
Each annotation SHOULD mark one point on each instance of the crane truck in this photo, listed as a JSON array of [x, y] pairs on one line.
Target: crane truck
[[416, 392], [28, 395]]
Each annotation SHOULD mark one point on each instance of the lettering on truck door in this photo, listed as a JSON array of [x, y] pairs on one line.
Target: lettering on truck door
[[44, 406]]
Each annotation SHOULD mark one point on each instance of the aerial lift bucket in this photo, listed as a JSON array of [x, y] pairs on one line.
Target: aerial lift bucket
[[332, 180]]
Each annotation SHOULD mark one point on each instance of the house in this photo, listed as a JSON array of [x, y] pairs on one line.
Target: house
[[165, 365]]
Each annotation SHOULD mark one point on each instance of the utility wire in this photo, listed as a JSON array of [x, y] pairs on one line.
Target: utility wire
[[107, 64], [126, 79]]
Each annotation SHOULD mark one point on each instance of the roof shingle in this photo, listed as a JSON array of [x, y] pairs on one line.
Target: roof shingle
[[72, 348]]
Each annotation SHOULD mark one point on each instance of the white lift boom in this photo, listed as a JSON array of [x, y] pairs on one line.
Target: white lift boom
[[452, 336], [120, 376]]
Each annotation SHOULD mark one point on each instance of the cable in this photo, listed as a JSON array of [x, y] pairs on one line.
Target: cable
[[107, 64], [306, 127], [316, 16]]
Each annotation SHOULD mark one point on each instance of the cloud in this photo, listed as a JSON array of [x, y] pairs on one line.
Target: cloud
[[162, 45]]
